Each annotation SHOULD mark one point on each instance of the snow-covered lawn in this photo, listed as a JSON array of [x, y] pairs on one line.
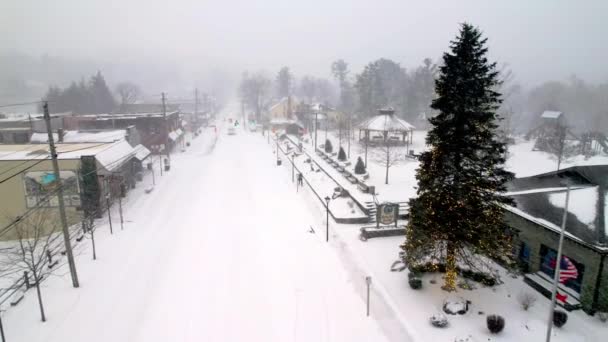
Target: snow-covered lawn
[[522, 161], [376, 255], [392, 297], [220, 250]]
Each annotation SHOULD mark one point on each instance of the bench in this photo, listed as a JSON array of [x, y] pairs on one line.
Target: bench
[[149, 189], [347, 163], [373, 232], [351, 179], [363, 187], [340, 168], [320, 153], [365, 176]]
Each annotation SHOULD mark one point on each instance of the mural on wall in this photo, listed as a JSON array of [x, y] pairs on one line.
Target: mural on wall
[[41, 188]]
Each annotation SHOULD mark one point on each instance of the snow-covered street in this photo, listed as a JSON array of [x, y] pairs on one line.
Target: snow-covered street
[[221, 250]]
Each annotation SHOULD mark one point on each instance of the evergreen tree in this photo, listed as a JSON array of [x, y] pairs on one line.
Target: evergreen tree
[[284, 82], [328, 147], [103, 101], [341, 154], [360, 167], [458, 214]]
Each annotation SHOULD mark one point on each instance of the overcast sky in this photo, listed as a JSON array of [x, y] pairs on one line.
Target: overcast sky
[[540, 39]]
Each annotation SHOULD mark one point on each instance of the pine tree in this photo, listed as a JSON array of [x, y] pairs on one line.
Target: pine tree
[[360, 167], [341, 154], [103, 101], [458, 214], [328, 147]]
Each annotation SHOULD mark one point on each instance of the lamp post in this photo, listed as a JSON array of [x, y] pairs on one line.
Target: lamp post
[[316, 124], [327, 218], [558, 265], [109, 212], [277, 148]]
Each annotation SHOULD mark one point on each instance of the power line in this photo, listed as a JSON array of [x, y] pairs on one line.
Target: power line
[[20, 104], [44, 159]]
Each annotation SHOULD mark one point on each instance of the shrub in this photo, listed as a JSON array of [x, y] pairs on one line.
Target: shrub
[[480, 277], [439, 320], [359, 167], [527, 300], [413, 274], [456, 306], [415, 283], [328, 147], [560, 318], [495, 323], [341, 155]]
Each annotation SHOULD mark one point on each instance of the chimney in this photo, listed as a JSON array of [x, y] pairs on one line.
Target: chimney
[[60, 135]]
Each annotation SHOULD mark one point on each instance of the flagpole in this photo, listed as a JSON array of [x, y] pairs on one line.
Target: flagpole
[[558, 265]]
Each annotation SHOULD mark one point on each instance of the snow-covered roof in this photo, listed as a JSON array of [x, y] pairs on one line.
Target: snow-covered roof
[[386, 122], [550, 114], [543, 197], [582, 203], [173, 135], [284, 122], [109, 155], [81, 136], [115, 155], [141, 152]]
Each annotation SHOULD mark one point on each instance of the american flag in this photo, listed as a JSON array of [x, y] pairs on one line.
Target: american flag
[[567, 270]]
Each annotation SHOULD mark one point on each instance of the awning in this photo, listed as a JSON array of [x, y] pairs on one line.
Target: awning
[[141, 152]]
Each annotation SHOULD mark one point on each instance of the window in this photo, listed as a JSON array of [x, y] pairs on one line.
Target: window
[[21, 138], [547, 266], [524, 257]]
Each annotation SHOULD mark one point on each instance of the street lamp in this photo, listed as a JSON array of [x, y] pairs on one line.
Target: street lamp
[[316, 124], [327, 218]]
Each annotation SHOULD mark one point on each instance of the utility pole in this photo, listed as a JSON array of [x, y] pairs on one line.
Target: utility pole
[[64, 221], [196, 126], [166, 125], [195, 102]]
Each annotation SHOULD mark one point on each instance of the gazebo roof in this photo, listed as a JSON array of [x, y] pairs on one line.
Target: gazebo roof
[[386, 122]]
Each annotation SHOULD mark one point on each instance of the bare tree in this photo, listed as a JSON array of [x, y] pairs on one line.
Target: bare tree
[[387, 155], [254, 91], [128, 92], [38, 239]]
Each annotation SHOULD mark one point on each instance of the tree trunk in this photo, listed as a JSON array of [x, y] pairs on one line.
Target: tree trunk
[[450, 268], [93, 242], [37, 280], [388, 160]]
